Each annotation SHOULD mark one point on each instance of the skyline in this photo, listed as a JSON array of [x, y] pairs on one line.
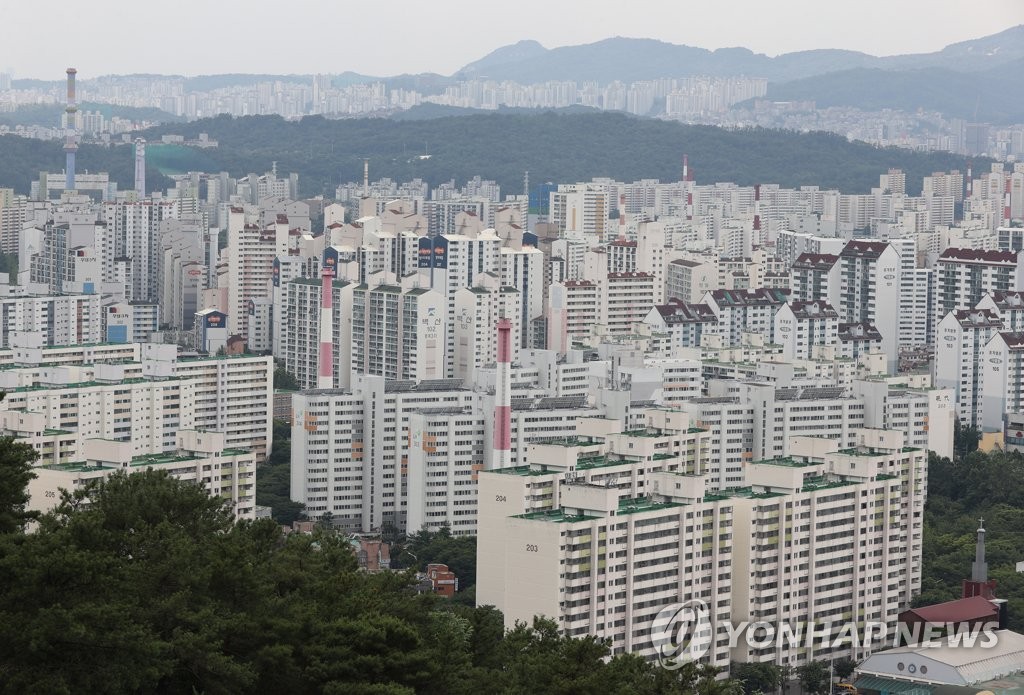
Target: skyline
[[98, 46]]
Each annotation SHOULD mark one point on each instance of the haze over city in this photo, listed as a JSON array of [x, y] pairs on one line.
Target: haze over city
[[630, 366], [306, 36]]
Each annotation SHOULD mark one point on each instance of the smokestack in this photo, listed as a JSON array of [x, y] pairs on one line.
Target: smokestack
[[325, 376], [622, 216], [1006, 202], [366, 178], [140, 167], [70, 145], [757, 207], [686, 167], [503, 397]]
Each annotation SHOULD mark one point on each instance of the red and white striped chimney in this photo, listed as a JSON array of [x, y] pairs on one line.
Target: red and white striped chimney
[[503, 397], [686, 167], [757, 207], [325, 375], [1006, 202], [622, 217]]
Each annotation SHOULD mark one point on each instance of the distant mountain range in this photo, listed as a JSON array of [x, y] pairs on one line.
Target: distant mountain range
[[982, 77], [629, 60]]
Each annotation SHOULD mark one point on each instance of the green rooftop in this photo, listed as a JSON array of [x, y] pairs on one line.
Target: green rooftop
[[521, 470], [559, 516], [76, 467], [160, 459], [785, 461], [816, 483], [643, 504]]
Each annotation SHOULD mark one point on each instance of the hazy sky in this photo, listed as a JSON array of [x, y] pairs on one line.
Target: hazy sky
[[194, 37]]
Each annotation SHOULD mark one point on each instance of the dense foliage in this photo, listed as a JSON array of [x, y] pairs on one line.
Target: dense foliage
[[273, 478], [145, 584], [22, 159], [959, 493], [554, 147]]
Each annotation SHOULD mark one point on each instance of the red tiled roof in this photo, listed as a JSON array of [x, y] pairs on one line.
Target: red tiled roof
[[961, 610], [981, 255]]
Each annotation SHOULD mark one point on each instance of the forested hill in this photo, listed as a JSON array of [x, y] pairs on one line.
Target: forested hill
[[552, 147]]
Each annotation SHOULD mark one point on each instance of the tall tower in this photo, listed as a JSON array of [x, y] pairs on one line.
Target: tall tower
[[979, 584], [70, 144], [366, 178], [757, 212], [140, 167], [325, 374], [503, 397]]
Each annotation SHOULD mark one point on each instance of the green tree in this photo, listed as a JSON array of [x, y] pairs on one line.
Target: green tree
[[284, 380], [15, 473], [844, 667], [814, 677], [757, 677]]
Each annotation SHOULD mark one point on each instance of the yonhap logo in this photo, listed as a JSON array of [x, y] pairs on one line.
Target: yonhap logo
[[682, 633]]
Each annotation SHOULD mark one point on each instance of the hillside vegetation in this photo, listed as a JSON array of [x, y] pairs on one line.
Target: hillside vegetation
[[552, 147]]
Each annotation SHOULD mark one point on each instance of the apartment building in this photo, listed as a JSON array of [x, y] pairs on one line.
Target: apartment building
[[603, 531], [964, 276], [1002, 380], [828, 536], [445, 456], [199, 457], [71, 319], [801, 326], [745, 311], [683, 325], [870, 291], [960, 341]]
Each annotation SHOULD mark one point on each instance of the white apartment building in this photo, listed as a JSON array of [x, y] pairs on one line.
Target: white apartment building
[[815, 276], [603, 531], [790, 245], [800, 326], [232, 394], [683, 325], [199, 457], [396, 333], [350, 448], [106, 401], [688, 279], [446, 452], [964, 276], [624, 300], [1008, 306], [59, 319], [745, 311], [523, 269], [477, 311], [582, 207], [827, 537], [573, 311], [960, 341], [870, 291], [250, 256], [1002, 380]]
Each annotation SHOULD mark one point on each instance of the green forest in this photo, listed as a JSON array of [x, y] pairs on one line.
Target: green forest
[[145, 584], [556, 147], [978, 485]]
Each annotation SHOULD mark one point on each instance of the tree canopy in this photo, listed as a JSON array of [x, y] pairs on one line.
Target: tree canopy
[[145, 584], [988, 485]]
